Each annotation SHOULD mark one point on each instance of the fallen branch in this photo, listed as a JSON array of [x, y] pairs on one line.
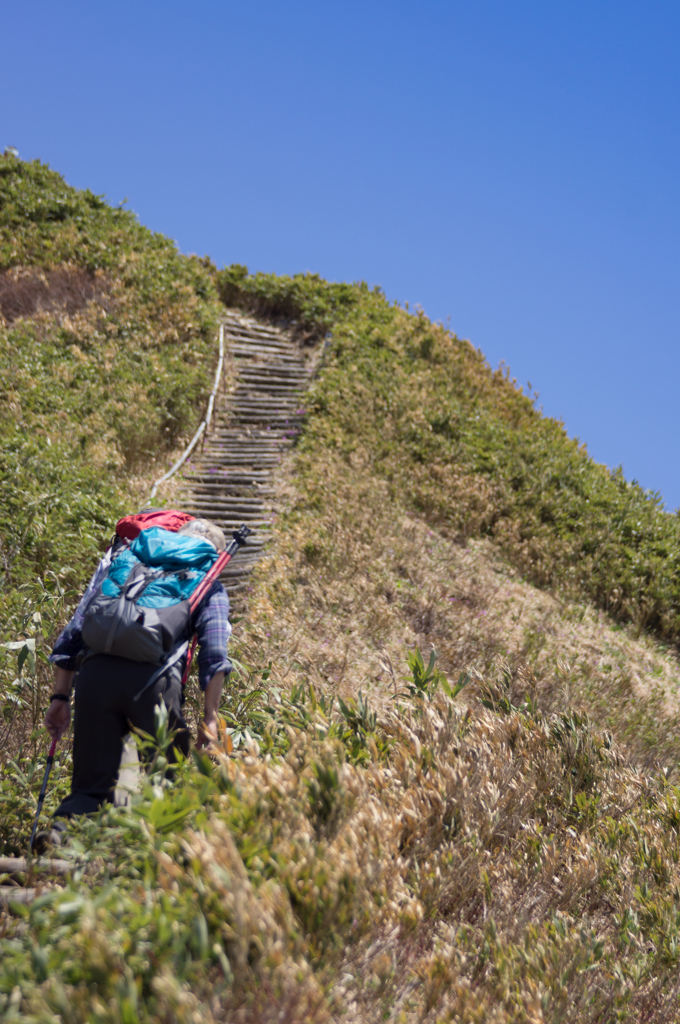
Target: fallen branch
[[42, 865], [9, 894]]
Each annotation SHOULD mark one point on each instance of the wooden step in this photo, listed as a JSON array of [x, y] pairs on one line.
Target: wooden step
[[252, 352], [231, 480], [283, 371]]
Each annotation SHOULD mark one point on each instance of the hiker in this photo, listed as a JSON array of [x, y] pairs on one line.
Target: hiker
[[114, 693]]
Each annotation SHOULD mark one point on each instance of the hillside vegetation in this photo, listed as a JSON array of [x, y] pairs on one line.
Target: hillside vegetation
[[487, 831], [107, 344], [428, 494], [463, 447]]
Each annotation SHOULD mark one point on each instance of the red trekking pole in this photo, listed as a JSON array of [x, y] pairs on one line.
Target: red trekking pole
[[203, 587], [226, 556], [43, 790]]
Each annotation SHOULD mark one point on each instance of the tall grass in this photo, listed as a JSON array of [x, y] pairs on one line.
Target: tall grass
[[424, 863]]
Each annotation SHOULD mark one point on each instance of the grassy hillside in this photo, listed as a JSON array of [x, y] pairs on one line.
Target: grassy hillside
[[437, 864], [428, 493], [107, 347], [464, 448], [488, 833]]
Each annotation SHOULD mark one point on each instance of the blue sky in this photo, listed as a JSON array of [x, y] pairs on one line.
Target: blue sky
[[512, 167]]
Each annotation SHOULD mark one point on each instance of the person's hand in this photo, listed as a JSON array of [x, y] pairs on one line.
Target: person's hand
[[58, 718], [207, 733], [208, 729]]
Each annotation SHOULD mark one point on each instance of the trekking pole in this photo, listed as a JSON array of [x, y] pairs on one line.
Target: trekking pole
[[226, 556], [195, 599], [43, 790]]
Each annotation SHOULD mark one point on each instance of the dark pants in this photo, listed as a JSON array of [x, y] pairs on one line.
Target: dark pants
[[104, 711]]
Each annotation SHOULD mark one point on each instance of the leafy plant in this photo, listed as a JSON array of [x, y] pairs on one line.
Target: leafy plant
[[427, 680]]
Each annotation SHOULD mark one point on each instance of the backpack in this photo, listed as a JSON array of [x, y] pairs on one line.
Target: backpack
[[153, 584]]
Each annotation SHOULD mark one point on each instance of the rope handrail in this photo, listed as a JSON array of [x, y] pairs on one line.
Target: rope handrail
[[202, 428]]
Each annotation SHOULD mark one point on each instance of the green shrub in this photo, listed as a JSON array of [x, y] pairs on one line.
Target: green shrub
[[305, 302], [107, 351]]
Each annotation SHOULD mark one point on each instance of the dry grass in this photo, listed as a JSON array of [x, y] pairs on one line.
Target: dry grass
[[352, 586], [451, 876], [30, 291]]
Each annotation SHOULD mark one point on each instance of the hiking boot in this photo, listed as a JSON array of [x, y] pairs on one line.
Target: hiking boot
[[48, 839]]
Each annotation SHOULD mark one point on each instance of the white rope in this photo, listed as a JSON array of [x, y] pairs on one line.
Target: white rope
[[203, 427]]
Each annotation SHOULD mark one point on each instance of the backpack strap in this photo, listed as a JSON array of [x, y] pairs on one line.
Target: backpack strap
[[141, 576], [174, 657], [115, 621], [138, 580], [190, 658]]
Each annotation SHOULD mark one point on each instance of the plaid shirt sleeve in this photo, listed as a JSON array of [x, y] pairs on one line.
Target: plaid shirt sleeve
[[213, 629]]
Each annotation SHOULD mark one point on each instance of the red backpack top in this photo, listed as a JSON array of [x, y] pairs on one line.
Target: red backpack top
[[169, 519]]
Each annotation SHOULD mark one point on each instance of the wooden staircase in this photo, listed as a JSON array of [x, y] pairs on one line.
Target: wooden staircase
[[232, 480]]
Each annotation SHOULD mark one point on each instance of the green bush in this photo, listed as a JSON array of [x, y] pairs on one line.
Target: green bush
[[305, 302], [107, 351]]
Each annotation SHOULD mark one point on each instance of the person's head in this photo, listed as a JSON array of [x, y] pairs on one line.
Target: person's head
[[207, 530]]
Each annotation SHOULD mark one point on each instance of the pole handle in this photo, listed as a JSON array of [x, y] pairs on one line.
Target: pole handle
[[201, 590], [43, 791]]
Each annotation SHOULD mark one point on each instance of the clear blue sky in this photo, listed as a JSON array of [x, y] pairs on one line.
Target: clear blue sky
[[512, 167]]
